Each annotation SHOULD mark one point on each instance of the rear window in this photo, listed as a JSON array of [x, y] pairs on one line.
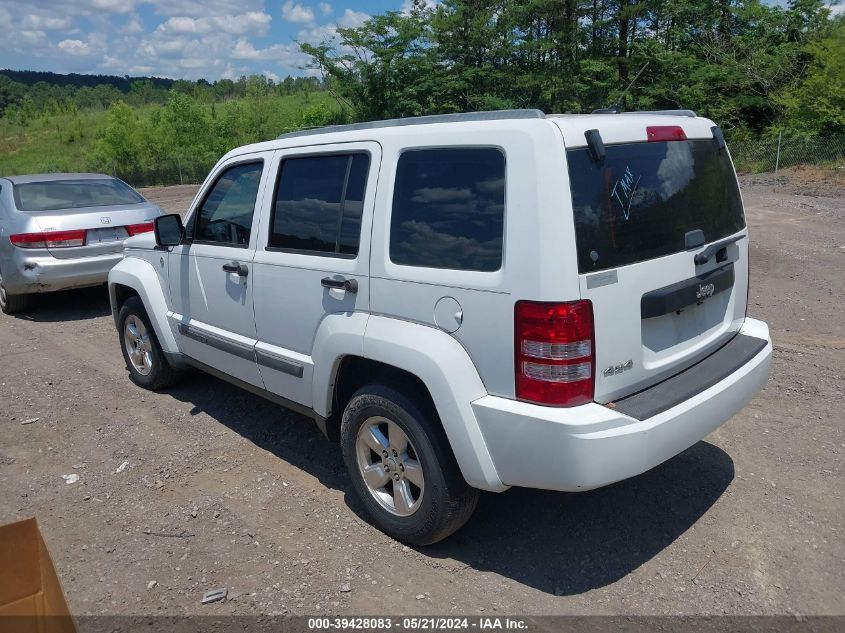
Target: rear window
[[71, 194], [641, 201]]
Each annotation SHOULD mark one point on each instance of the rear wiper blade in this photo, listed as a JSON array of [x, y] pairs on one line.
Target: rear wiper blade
[[704, 256]]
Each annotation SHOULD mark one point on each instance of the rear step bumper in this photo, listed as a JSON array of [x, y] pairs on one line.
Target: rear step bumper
[[586, 447]]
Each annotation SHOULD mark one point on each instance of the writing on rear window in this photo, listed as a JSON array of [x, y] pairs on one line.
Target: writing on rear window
[[624, 190]]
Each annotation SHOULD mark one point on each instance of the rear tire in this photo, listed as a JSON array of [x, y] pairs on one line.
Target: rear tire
[[402, 466], [11, 304], [148, 367]]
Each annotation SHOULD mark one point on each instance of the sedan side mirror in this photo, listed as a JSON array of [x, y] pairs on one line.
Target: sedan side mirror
[[169, 230]]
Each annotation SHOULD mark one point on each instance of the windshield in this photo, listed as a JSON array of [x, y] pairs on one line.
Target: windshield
[[641, 201], [72, 194]]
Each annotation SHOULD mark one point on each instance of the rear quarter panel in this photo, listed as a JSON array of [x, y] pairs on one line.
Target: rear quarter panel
[[538, 261]]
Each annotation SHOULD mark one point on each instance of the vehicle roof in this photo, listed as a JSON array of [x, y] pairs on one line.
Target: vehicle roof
[[377, 130], [28, 178]]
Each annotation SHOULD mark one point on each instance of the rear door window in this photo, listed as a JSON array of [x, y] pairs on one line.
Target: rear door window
[[319, 204], [642, 200], [449, 209]]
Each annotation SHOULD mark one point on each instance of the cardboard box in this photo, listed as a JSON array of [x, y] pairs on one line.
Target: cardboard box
[[31, 596]]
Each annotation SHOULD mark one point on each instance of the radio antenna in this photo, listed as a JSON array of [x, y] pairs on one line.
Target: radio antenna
[[615, 107]]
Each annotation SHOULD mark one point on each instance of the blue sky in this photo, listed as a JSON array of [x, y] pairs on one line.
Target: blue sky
[[172, 38], [187, 39]]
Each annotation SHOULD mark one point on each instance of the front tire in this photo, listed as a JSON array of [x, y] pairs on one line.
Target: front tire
[[147, 364], [402, 467]]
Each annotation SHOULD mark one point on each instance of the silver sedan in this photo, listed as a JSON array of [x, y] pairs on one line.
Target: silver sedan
[[60, 231]]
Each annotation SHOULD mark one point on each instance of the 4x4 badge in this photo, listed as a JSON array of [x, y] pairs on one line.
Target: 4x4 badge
[[617, 369]]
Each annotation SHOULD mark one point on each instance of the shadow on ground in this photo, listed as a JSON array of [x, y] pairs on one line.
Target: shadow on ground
[[560, 543], [67, 305], [569, 543]]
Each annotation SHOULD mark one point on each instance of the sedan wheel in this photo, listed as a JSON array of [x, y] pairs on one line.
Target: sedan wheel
[[9, 304]]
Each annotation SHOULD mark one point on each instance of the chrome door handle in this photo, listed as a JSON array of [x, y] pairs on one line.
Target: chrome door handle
[[349, 285], [235, 267]]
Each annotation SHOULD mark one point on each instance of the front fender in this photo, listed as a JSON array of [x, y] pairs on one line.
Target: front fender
[[140, 276], [450, 376]]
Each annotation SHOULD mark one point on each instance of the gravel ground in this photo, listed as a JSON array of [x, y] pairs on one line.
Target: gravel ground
[[207, 486]]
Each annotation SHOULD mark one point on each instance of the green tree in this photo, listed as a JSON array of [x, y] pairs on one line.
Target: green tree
[[818, 103], [119, 146]]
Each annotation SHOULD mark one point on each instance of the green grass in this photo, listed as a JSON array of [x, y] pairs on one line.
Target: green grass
[[64, 142]]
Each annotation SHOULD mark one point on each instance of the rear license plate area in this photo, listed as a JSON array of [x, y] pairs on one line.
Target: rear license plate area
[[105, 235]]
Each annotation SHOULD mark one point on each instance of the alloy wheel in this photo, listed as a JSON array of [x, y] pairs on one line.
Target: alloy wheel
[[138, 345], [390, 466]]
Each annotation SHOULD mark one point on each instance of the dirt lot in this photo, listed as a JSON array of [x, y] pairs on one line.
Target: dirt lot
[[224, 489]]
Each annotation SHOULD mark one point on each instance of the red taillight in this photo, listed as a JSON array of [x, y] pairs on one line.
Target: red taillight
[[137, 229], [50, 239], [554, 352], [665, 133]]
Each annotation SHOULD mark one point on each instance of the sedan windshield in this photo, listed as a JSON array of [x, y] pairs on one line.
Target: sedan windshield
[[72, 194]]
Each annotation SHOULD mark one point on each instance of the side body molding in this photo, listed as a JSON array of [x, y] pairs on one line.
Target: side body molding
[[446, 369], [140, 275]]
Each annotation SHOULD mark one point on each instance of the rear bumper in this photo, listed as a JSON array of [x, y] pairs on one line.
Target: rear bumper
[[39, 273], [586, 447]]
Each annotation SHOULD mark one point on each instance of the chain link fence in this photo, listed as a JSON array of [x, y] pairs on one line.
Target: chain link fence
[[166, 173], [787, 150]]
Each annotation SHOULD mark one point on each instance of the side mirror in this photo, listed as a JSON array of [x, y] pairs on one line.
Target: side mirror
[[169, 230]]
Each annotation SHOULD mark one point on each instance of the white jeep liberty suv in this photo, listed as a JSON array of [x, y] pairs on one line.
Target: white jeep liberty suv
[[465, 302]]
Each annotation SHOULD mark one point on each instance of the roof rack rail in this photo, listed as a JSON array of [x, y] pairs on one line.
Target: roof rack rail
[[493, 115], [688, 113]]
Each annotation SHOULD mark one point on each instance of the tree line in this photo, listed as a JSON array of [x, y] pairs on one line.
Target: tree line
[[28, 94], [750, 66]]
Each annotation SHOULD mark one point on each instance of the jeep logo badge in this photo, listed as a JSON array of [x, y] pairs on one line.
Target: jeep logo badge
[[105, 220], [705, 290]]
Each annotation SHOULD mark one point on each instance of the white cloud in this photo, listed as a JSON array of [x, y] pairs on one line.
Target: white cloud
[[327, 32], [245, 50], [271, 76], [133, 26], [45, 22], [253, 22], [75, 47], [285, 54], [351, 19], [114, 6], [325, 8], [203, 8], [32, 37], [297, 13]]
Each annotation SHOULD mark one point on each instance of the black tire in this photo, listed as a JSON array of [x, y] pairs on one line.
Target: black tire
[[161, 373], [12, 304], [447, 501]]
